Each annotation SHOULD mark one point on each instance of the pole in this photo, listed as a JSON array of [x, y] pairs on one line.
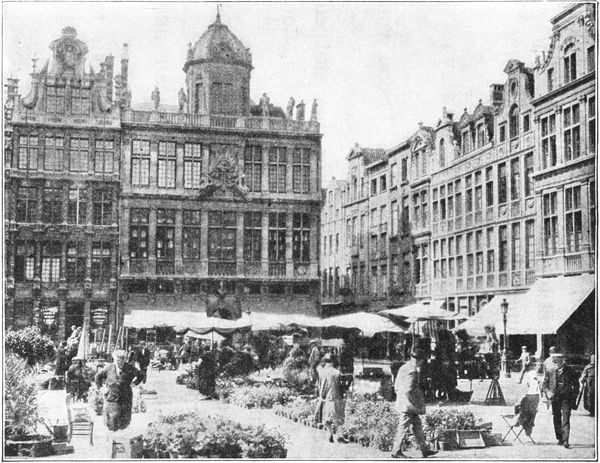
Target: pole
[[504, 360]]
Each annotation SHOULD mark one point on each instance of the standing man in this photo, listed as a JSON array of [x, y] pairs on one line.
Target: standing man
[[61, 361], [560, 387], [410, 403], [143, 358], [314, 359], [524, 360], [588, 383]]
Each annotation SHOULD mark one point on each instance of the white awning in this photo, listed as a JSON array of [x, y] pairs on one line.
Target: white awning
[[196, 321], [541, 310], [423, 310], [368, 323]]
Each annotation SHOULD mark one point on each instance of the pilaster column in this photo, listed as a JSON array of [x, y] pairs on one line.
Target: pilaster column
[[152, 242], [124, 241], [265, 168], [289, 187], [204, 242], [239, 243], [289, 265], [153, 174], [539, 236], [178, 241], [179, 167], [264, 249]]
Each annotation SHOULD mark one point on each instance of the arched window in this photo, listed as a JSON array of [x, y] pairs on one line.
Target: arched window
[[570, 60], [442, 153], [513, 121]]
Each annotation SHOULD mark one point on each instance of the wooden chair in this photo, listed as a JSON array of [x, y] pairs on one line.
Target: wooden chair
[[524, 417], [80, 422]]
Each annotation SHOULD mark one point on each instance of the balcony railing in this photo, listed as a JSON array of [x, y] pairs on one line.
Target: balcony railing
[[222, 122], [277, 269], [573, 263], [221, 268]]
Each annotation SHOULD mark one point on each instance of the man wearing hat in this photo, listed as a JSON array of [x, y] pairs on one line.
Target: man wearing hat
[[524, 360], [560, 387], [143, 358], [314, 359], [410, 403]]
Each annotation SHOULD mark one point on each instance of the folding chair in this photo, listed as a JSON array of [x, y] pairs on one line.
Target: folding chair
[[80, 423], [523, 418]]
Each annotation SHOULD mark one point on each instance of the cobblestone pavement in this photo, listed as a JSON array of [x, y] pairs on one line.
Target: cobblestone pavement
[[310, 443]]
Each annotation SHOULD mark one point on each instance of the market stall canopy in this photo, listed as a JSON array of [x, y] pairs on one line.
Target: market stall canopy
[[197, 321], [422, 311], [264, 321], [541, 310], [368, 323], [213, 337]]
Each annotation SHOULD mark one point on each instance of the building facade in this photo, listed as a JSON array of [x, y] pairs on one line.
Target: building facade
[[61, 170], [211, 205], [220, 200], [486, 203]]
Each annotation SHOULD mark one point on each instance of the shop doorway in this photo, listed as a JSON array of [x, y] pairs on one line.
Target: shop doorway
[[73, 316]]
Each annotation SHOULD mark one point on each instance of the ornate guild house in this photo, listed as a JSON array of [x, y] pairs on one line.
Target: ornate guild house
[[212, 205]]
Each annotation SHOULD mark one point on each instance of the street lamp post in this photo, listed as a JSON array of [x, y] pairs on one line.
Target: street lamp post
[[503, 360]]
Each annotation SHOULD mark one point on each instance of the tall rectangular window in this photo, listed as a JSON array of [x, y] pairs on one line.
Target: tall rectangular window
[[165, 234], [550, 79], [424, 209], [166, 164], [573, 218], [393, 174], [80, 100], [53, 153], [515, 179], [591, 58], [301, 170], [489, 186], [570, 61], [374, 187], [301, 237], [78, 154], [550, 216], [28, 152], [394, 224], [548, 141], [468, 194], [404, 171], [55, 99], [102, 207], [77, 207], [354, 230], [52, 205], [382, 183], [140, 163], [503, 248], [24, 261], [528, 175], [277, 232], [592, 205], [252, 236], [571, 133], [26, 210], [253, 168], [591, 106], [191, 234], [516, 246], [502, 186], [101, 257], [104, 156], [192, 165], [76, 262], [529, 244], [277, 169], [138, 234], [222, 242], [51, 257]]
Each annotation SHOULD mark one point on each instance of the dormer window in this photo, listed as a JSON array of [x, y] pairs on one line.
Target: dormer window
[[80, 101], [502, 133], [513, 121], [550, 74], [591, 58], [480, 135], [570, 61], [55, 99]]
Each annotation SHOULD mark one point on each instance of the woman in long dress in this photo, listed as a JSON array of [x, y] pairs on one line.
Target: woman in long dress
[[330, 409], [118, 399]]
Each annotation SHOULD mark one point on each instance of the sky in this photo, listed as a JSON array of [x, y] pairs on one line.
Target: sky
[[376, 69]]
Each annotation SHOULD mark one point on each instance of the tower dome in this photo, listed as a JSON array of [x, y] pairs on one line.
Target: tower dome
[[219, 44], [217, 73]]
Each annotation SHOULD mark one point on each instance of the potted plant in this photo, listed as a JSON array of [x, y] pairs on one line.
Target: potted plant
[[21, 412]]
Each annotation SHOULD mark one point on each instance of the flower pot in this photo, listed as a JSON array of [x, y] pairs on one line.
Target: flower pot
[[34, 445]]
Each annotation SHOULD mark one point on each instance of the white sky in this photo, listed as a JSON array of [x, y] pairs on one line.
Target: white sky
[[376, 69]]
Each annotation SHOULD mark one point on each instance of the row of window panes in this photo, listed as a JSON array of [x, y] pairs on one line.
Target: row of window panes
[[27, 201], [55, 100], [58, 157], [570, 65], [222, 235], [51, 259]]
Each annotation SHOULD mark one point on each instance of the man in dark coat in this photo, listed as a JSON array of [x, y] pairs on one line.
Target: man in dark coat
[[588, 383], [560, 387], [61, 361], [143, 358], [410, 403]]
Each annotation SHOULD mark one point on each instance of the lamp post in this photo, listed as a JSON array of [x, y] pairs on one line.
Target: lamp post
[[504, 364]]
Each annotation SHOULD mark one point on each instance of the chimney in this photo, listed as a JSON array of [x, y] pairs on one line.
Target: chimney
[[125, 63], [496, 94], [110, 69]]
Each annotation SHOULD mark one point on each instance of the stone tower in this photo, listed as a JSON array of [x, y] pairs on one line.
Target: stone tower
[[217, 72]]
